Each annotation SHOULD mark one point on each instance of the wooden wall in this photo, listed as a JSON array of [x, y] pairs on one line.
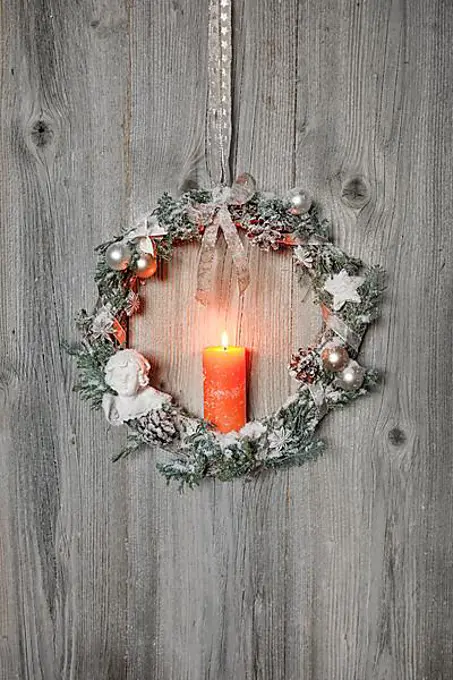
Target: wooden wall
[[339, 570]]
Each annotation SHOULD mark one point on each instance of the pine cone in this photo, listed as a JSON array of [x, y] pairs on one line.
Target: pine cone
[[156, 427], [305, 222], [265, 236], [304, 365]]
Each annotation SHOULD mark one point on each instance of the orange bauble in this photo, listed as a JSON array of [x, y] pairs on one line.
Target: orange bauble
[[145, 266], [335, 358]]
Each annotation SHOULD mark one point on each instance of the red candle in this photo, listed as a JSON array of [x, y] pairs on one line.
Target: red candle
[[224, 376]]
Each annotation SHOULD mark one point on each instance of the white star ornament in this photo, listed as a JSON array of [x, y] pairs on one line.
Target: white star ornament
[[343, 288]]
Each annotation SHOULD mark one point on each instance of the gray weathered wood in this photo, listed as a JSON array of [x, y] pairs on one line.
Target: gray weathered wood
[[64, 101], [339, 570]]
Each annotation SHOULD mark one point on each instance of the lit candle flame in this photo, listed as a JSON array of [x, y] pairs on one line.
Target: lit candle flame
[[224, 340]]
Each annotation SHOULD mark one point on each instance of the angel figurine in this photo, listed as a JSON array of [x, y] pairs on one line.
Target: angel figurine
[[126, 372]]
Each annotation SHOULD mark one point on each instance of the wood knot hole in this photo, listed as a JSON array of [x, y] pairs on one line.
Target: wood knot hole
[[397, 436], [176, 7], [8, 376], [355, 192], [41, 134]]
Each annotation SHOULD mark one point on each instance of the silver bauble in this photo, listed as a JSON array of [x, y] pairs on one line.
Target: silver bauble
[[351, 378], [242, 189], [118, 256], [300, 201]]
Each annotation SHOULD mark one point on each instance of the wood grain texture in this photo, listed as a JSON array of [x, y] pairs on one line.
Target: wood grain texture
[[64, 76], [340, 570]]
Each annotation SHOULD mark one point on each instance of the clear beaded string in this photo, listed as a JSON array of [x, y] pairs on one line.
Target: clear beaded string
[[218, 132]]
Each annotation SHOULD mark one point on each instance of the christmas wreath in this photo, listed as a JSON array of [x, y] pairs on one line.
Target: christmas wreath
[[115, 378]]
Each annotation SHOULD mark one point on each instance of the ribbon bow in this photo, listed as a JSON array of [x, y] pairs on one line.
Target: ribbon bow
[[215, 216]]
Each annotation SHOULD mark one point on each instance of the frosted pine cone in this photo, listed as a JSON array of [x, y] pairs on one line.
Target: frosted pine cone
[[304, 365], [157, 427], [264, 236]]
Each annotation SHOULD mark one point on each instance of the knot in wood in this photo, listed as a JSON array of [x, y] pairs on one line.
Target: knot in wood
[[9, 378], [397, 436], [176, 7], [355, 192], [41, 134]]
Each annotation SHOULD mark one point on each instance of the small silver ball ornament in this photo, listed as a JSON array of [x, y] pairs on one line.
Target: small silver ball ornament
[[351, 378], [300, 201], [118, 256]]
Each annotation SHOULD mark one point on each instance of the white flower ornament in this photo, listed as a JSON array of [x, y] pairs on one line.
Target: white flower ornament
[[103, 322]]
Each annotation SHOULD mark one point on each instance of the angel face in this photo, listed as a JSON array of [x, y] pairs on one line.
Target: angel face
[[126, 372], [124, 380]]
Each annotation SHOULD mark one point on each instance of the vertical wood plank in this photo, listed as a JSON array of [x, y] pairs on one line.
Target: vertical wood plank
[[256, 562], [172, 605], [64, 69], [373, 153]]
